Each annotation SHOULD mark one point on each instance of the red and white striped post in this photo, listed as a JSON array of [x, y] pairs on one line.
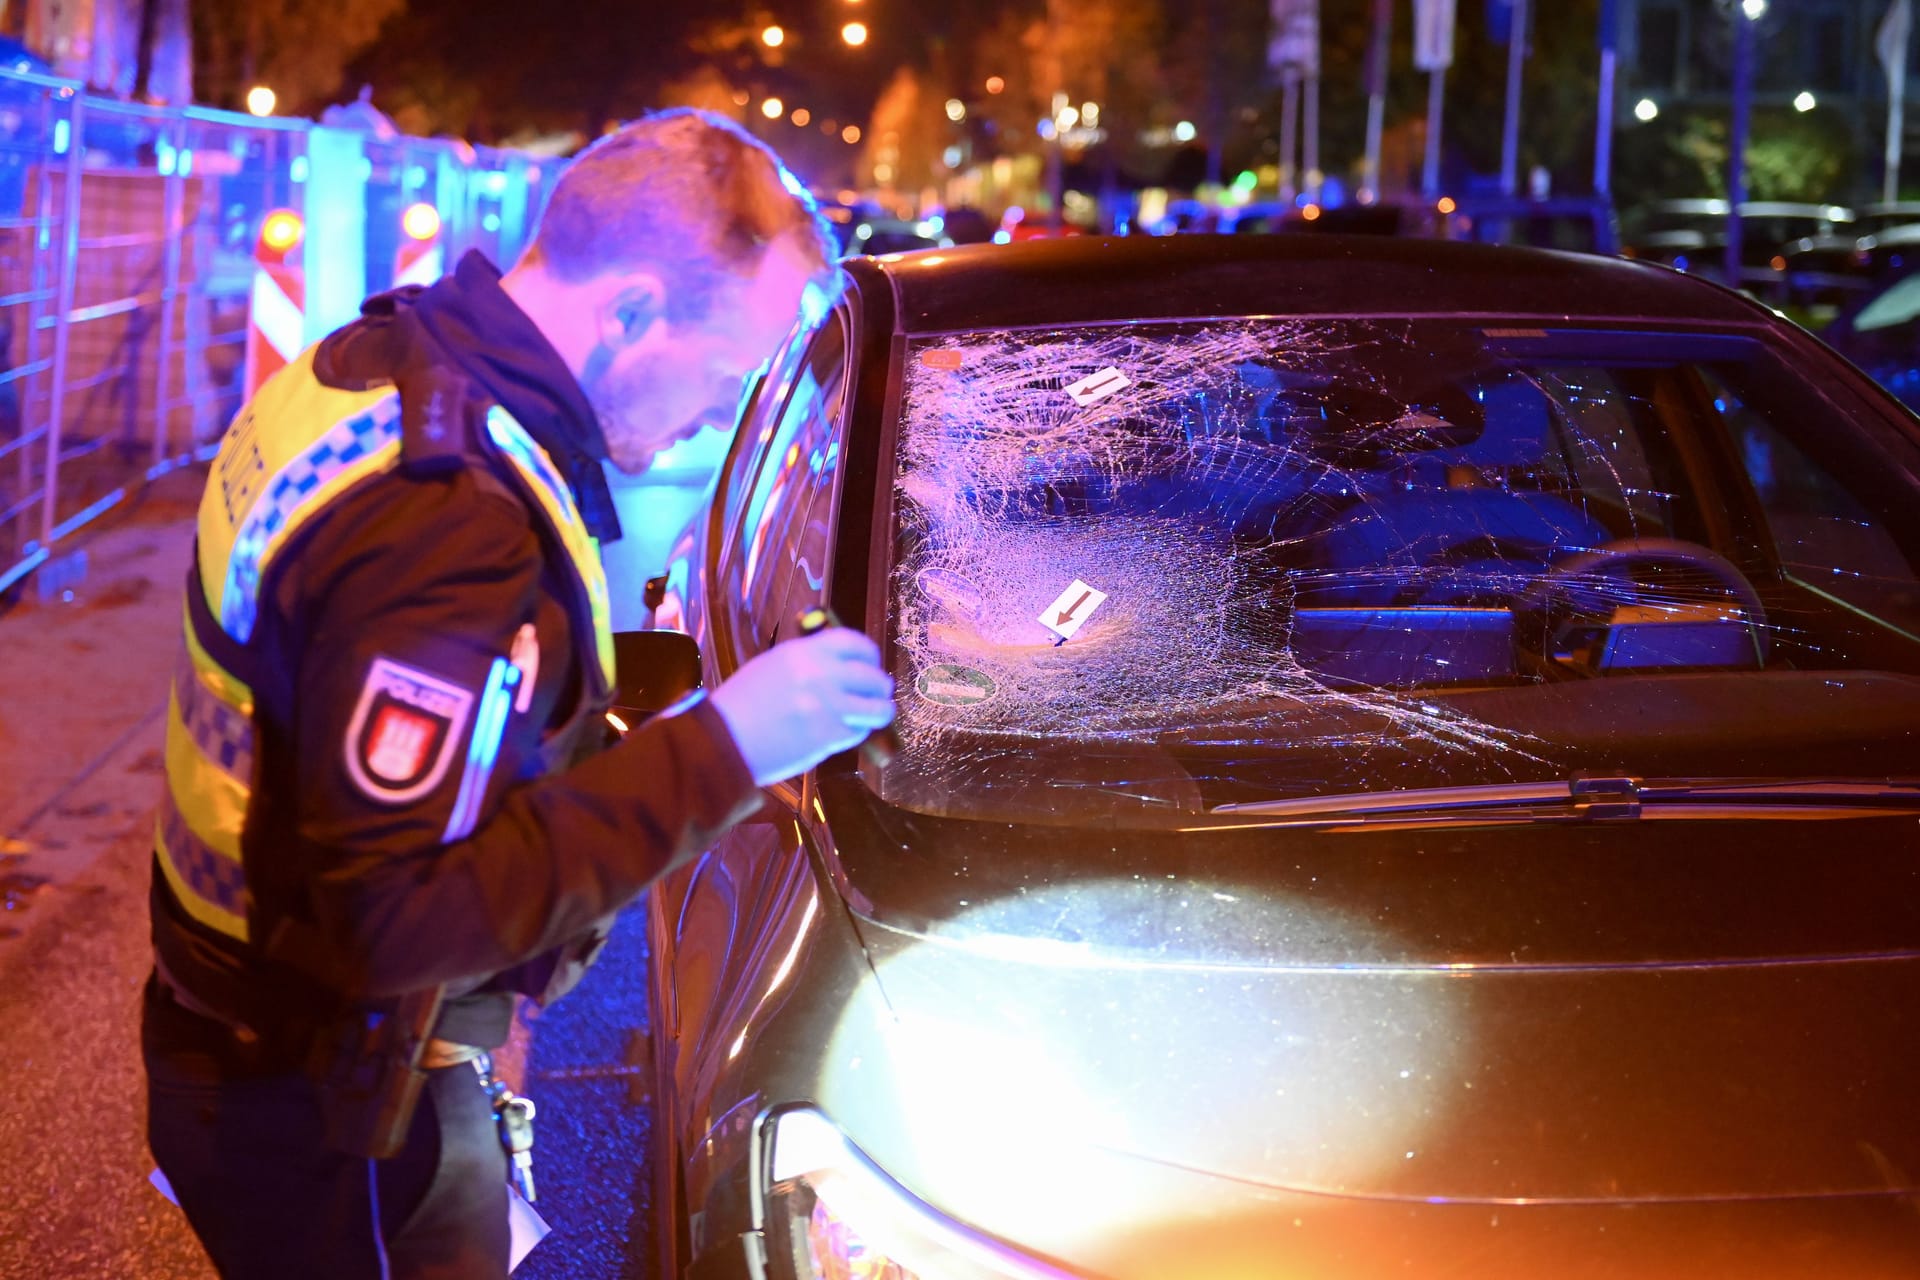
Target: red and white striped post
[[421, 259], [277, 313]]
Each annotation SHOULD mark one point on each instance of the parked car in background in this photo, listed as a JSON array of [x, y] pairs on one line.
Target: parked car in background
[[1659, 217], [1577, 224], [898, 235], [1881, 334], [1387, 218], [863, 227], [1692, 236], [1406, 767], [1821, 274], [1871, 219], [1184, 216], [1889, 252]]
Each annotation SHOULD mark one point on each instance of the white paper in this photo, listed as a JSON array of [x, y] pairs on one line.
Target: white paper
[[1065, 615], [528, 1228], [1098, 386]]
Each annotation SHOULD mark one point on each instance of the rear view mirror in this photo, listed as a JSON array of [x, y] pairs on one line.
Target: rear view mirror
[[653, 670]]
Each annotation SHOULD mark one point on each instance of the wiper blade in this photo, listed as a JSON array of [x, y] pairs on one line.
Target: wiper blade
[[1585, 799], [1435, 799], [1781, 789]]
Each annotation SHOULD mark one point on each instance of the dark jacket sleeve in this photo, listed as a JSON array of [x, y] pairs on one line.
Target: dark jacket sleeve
[[423, 585]]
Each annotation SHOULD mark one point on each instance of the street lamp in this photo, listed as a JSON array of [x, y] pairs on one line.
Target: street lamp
[[854, 33], [995, 84], [261, 100], [773, 108], [801, 117], [1646, 109], [850, 134], [1745, 17], [774, 36], [1184, 131], [1804, 102], [956, 110]]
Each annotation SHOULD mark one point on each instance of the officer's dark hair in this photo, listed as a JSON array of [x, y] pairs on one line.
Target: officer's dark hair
[[685, 193]]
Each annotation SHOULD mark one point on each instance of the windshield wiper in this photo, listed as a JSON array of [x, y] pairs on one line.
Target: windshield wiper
[[1590, 799]]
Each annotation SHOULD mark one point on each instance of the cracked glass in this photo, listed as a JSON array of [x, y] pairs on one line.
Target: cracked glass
[[1150, 570]]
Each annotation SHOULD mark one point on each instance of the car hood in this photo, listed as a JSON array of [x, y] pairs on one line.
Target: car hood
[[1645, 1014]]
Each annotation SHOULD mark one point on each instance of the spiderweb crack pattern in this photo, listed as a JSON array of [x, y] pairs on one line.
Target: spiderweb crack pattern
[[1191, 497]]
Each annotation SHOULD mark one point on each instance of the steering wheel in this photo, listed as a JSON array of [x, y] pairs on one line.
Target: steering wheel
[[1573, 576]]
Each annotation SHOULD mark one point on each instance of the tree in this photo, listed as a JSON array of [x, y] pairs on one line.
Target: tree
[[1790, 155], [1218, 71], [298, 48], [906, 135], [1105, 52], [705, 89]]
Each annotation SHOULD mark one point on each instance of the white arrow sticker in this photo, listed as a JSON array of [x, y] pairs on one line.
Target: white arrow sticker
[[1098, 386], [1064, 616]]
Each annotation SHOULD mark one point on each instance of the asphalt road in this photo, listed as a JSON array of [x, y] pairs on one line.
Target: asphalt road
[[82, 701]]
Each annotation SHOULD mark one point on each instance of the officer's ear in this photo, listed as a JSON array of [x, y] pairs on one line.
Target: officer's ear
[[629, 314]]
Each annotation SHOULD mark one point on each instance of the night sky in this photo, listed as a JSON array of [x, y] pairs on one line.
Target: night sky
[[575, 63]]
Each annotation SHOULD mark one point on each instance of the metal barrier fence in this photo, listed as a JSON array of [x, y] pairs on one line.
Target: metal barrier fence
[[127, 238]]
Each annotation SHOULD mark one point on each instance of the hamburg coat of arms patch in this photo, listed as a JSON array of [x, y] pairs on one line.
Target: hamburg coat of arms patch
[[405, 729]]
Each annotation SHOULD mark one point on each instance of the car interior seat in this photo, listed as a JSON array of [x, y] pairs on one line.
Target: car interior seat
[[1450, 512]]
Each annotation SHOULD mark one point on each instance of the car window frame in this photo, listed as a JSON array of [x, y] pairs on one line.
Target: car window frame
[[725, 617]]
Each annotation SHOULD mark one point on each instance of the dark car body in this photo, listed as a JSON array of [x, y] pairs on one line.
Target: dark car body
[[1427, 858]]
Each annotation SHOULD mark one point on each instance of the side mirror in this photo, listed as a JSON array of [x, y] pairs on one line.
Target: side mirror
[[653, 670]]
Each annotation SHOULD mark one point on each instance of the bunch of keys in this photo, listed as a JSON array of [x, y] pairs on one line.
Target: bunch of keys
[[514, 1116]]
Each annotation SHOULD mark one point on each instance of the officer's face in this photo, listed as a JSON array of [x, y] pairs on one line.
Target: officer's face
[[677, 378]]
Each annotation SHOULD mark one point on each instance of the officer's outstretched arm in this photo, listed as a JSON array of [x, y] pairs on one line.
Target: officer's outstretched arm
[[802, 701], [429, 848]]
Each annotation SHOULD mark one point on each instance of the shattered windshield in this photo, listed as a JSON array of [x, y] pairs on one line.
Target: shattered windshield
[[1169, 567]]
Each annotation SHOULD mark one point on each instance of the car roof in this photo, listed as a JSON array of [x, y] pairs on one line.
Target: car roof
[[1089, 279], [1795, 209], [1902, 234]]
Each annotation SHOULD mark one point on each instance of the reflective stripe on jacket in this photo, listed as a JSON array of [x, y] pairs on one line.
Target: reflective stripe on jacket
[[291, 453]]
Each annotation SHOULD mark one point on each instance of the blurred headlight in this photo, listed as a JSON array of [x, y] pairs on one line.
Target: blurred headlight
[[833, 1215]]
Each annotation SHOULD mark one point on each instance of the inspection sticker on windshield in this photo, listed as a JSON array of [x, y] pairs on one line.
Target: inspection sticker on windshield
[[952, 685], [1064, 616], [1098, 386]]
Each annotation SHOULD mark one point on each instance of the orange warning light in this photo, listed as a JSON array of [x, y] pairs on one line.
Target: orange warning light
[[1446, 204], [1311, 213], [421, 221], [281, 231]]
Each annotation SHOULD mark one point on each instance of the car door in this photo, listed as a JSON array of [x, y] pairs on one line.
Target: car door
[[772, 517]]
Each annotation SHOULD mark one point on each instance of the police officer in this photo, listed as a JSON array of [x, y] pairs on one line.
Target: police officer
[[388, 807]]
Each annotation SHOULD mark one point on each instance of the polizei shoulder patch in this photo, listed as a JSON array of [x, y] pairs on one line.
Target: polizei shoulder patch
[[404, 731]]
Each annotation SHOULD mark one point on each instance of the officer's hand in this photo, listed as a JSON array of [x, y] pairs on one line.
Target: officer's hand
[[804, 700]]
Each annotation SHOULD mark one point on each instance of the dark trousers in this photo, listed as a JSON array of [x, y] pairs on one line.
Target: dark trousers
[[240, 1138]]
